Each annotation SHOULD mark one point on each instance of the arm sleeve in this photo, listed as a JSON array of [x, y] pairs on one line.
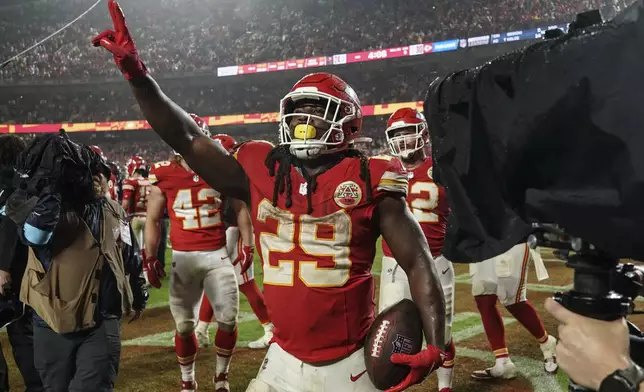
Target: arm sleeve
[[38, 228]]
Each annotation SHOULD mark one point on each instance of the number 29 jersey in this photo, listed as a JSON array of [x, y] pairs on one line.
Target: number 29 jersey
[[194, 208], [429, 205], [318, 285]]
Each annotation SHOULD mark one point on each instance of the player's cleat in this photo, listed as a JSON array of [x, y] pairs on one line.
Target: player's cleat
[[262, 342], [221, 383], [446, 390], [550, 355], [503, 369], [202, 337], [188, 386]]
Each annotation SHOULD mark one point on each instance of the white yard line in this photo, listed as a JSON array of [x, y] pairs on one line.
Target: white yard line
[[166, 339]]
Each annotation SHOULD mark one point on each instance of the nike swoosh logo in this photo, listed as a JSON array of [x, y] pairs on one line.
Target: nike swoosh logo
[[355, 378], [446, 271]]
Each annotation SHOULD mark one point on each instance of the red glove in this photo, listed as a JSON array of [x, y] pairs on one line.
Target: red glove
[[245, 257], [120, 43], [421, 364], [153, 270]]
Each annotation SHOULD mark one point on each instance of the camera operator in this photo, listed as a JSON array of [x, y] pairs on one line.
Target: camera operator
[[83, 271], [12, 267], [589, 358]]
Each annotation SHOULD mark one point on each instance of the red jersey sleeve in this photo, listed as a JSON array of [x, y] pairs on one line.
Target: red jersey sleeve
[[388, 176], [129, 189], [156, 172], [253, 153]]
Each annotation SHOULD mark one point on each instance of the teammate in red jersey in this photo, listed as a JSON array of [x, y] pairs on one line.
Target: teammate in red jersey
[[408, 139], [136, 189], [112, 183], [242, 253], [200, 263], [318, 209]]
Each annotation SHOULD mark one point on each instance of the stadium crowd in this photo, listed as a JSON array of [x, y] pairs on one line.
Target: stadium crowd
[[115, 102], [183, 36]]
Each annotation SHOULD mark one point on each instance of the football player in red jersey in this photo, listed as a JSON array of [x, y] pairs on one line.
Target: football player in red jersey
[[408, 139], [136, 189], [112, 183], [200, 262], [242, 253], [318, 209]]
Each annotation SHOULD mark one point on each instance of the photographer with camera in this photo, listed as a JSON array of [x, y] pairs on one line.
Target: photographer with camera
[[13, 261], [83, 271]]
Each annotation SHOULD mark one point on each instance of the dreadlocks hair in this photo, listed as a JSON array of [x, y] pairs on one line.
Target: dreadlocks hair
[[11, 146], [282, 155]]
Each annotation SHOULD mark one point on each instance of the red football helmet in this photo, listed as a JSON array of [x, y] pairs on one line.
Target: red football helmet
[[226, 141], [135, 163], [404, 144], [201, 123], [98, 150], [342, 111]]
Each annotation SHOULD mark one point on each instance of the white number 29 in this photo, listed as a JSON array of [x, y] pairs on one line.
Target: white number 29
[[203, 217], [422, 207], [284, 241]]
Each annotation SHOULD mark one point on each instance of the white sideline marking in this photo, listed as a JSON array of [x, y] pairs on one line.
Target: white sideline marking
[[166, 339]]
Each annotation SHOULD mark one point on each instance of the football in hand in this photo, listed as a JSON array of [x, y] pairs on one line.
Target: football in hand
[[398, 329]]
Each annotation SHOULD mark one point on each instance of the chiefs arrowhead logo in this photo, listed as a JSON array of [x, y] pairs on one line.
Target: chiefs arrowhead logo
[[348, 194]]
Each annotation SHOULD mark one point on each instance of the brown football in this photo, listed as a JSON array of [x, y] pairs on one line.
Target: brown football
[[398, 329]]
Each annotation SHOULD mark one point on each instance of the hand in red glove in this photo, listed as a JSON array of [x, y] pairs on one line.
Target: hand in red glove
[[153, 270], [245, 257], [421, 364], [120, 43]]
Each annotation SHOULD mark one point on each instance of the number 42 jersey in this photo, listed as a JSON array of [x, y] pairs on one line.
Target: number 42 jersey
[[318, 285], [194, 208]]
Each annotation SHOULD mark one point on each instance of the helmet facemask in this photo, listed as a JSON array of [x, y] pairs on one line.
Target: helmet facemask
[[405, 144], [307, 141]]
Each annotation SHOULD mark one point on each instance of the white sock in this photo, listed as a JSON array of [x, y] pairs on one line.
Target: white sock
[[188, 372], [222, 364], [444, 377], [268, 327]]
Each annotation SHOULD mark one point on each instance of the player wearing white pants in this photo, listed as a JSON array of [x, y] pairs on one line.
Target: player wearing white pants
[[504, 278], [202, 271], [282, 372], [394, 287], [200, 263], [505, 275], [138, 227]]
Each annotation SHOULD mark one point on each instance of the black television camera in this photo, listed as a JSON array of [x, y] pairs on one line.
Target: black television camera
[[602, 288], [551, 133]]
